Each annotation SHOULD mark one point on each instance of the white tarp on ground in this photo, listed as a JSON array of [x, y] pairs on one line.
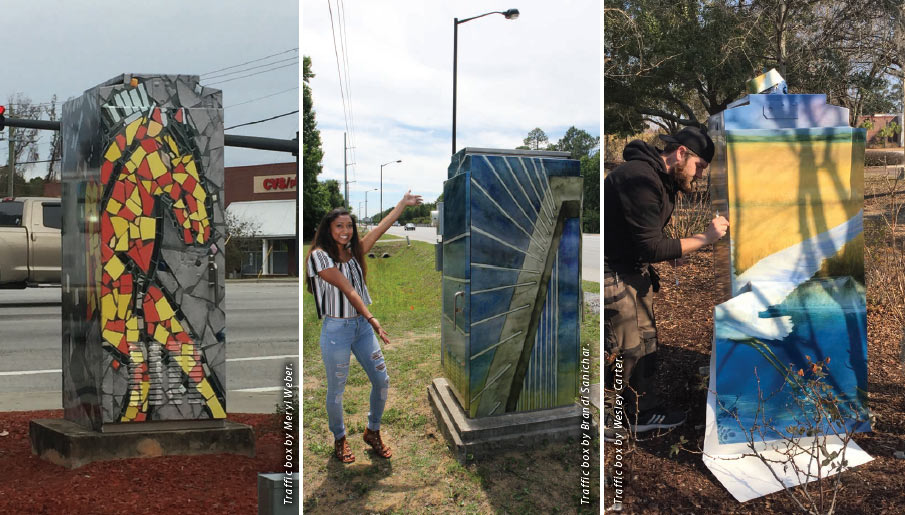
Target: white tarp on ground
[[268, 218], [748, 478]]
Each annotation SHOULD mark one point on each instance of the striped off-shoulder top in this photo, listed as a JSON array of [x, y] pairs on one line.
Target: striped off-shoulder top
[[329, 300]]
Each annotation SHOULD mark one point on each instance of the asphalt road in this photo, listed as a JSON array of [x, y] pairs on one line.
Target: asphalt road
[[262, 335], [590, 254]]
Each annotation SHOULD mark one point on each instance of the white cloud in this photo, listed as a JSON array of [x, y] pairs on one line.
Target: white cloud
[[69, 47], [541, 70]]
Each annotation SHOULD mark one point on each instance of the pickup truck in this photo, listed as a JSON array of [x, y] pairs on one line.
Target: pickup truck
[[30, 251]]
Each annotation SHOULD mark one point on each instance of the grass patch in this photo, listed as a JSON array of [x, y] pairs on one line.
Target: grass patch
[[385, 236], [590, 286], [423, 476]]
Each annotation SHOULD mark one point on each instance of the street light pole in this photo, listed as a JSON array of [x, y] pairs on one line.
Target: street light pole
[[381, 182], [11, 165], [455, 71], [510, 14], [366, 201]]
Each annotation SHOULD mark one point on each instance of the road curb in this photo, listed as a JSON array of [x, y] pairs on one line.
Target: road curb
[[236, 401]]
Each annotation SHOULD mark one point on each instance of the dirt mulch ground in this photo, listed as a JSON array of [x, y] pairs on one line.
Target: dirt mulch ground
[[657, 483], [215, 484]]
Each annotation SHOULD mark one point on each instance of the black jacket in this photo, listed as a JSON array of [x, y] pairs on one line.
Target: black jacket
[[638, 201]]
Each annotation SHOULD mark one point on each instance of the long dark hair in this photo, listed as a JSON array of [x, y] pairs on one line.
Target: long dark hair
[[323, 239]]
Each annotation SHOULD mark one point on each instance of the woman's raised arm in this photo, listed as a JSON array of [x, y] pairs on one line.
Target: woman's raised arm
[[374, 234]]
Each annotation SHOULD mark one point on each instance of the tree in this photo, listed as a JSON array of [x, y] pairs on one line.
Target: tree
[[897, 53], [312, 158], [416, 214], [239, 242], [577, 142], [674, 64], [841, 48], [56, 141], [330, 195], [590, 211], [536, 140], [25, 141]]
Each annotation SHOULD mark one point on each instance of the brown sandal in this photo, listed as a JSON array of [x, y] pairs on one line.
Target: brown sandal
[[372, 438], [342, 451]]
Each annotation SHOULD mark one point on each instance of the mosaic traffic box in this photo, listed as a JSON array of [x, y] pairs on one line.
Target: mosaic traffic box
[[511, 280], [788, 174], [143, 290]]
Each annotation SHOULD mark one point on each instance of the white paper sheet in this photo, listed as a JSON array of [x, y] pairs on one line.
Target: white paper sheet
[[748, 478]]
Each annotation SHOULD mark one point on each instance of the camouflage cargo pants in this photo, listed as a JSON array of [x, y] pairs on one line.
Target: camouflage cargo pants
[[630, 336]]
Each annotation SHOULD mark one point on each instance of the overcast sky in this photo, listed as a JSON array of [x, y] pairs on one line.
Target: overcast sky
[[540, 70], [63, 48]]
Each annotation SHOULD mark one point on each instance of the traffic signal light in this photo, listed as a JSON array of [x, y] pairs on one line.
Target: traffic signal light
[[2, 119]]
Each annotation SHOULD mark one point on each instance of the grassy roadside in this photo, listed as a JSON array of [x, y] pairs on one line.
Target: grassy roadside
[[423, 476]]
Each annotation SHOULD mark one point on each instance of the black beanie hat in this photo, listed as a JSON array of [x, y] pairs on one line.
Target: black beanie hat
[[694, 139]]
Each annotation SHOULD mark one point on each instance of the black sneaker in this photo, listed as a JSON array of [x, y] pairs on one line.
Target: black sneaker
[[658, 419]]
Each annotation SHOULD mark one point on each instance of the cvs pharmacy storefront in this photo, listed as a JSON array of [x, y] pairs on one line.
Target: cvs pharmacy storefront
[[261, 204]]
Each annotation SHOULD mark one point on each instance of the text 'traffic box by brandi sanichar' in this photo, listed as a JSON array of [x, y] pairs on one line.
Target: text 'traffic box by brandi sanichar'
[[511, 234], [143, 229]]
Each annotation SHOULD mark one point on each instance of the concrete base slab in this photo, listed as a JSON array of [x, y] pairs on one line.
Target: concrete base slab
[[475, 437], [595, 395], [278, 494], [70, 445]]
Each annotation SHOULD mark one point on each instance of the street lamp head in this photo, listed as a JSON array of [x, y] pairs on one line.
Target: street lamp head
[[511, 14], [399, 161]]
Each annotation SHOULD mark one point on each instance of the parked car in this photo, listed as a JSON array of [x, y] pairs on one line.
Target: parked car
[[30, 246], [409, 226], [395, 224]]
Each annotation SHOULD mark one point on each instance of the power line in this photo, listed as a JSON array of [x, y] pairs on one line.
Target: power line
[[34, 103], [342, 89], [33, 162], [341, 10], [262, 98], [254, 68], [252, 61], [252, 74], [262, 121]]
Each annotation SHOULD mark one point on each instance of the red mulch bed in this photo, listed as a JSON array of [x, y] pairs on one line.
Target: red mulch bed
[[657, 483], [215, 484]]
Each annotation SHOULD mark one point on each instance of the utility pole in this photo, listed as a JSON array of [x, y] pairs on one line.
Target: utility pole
[[346, 172], [11, 165], [298, 221]]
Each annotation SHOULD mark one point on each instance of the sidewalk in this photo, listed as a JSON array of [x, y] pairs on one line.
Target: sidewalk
[[266, 279]]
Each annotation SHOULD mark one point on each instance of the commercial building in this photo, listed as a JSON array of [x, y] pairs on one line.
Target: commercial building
[[261, 201]]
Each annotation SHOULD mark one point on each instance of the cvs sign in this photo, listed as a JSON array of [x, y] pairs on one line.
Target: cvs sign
[[275, 183]]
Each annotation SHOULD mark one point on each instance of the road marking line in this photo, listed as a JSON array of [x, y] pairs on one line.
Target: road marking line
[[59, 370], [261, 389], [260, 358], [31, 372]]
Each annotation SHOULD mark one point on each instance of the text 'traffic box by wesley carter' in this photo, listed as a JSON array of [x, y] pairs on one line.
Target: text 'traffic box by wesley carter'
[[143, 227], [511, 280]]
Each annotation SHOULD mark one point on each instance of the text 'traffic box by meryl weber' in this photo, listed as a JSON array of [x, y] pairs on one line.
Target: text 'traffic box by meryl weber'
[[511, 280], [143, 227]]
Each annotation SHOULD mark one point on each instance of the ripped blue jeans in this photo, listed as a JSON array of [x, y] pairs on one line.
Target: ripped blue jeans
[[341, 337]]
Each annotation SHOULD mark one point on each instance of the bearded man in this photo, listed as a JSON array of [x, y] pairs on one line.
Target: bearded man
[[639, 198]]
